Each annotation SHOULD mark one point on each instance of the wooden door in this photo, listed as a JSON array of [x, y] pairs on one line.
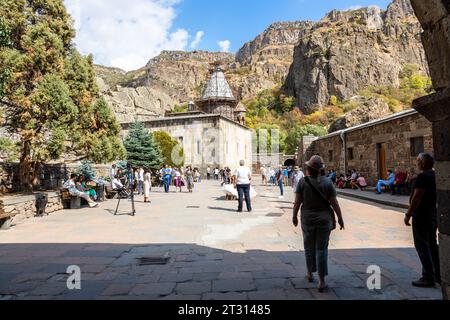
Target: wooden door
[[382, 169]]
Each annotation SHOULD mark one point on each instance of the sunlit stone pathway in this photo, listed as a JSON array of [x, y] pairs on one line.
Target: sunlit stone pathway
[[212, 252]]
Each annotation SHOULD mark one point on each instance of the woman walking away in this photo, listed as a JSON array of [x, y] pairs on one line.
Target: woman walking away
[[178, 180], [190, 179], [316, 196], [147, 185]]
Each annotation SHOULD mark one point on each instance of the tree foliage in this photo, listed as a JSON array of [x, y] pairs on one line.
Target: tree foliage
[[172, 152], [52, 101], [142, 150], [9, 150], [86, 169]]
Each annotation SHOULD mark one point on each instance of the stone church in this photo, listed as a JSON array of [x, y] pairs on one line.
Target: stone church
[[213, 131]]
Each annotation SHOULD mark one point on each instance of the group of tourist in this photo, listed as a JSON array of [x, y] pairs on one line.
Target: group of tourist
[[80, 186], [396, 181], [141, 180], [281, 177], [315, 198], [352, 179]]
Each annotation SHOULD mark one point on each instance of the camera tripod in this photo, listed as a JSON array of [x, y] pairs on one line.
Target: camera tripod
[[131, 196]]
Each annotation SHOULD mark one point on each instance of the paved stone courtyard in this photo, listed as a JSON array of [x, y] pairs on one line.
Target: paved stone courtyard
[[214, 252]]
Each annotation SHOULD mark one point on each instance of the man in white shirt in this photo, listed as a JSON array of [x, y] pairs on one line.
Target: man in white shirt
[[116, 184], [242, 178], [264, 175], [296, 177]]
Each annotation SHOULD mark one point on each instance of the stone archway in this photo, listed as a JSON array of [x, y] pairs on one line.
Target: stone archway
[[434, 16]]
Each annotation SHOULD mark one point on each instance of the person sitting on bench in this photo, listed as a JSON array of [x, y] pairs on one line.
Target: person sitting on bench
[[116, 184], [386, 183], [399, 183], [71, 186]]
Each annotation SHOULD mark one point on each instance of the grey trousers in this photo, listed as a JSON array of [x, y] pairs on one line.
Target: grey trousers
[[315, 240]]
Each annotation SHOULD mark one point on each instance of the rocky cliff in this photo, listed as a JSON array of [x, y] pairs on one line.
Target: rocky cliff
[[175, 77], [349, 50], [338, 56], [172, 78]]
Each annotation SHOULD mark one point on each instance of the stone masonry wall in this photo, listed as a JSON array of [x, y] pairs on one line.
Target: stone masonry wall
[[395, 134], [16, 209], [207, 141]]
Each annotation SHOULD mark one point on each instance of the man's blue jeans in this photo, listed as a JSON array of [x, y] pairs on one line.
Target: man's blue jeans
[[166, 184], [281, 185], [244, 190], [382, 183]]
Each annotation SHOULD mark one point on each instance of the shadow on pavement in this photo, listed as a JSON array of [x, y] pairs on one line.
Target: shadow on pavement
[[193, 272]]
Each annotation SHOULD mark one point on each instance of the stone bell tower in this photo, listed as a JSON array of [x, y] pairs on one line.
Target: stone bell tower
[[218, 97]]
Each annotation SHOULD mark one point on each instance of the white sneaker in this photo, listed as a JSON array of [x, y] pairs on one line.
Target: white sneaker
[[93, 205]]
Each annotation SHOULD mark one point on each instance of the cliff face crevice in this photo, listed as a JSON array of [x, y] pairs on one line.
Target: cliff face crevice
[[349, 50]]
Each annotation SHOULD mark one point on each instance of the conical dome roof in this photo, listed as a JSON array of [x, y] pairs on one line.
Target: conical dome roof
[[218, 87]]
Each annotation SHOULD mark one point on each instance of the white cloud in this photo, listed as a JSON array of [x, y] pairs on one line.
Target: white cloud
[[357, 7], [198, 38], [126, 34], [224, 45]]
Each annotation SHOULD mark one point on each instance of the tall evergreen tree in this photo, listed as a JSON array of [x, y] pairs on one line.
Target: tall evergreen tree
[[51, 98], [141, 149]]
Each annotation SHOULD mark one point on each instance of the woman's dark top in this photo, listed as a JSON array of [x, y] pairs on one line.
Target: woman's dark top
[[315, 211]]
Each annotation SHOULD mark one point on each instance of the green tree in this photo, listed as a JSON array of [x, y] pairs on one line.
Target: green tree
[[52, 102], [86, 169], [172, 152], [9, 150], [295, 134], [142, 149]]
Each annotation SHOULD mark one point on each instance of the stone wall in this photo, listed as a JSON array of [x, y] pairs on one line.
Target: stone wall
[[50, 177], [207, 140], [434, 16], [396, 136], [17, 209]]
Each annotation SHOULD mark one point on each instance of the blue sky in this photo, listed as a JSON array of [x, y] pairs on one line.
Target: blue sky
[[240, 21], [126, 34]]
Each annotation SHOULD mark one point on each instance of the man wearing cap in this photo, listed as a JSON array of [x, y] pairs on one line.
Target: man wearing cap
[[316, 196]]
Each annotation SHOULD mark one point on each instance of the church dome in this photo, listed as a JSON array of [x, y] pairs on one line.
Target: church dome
[[218, 87]]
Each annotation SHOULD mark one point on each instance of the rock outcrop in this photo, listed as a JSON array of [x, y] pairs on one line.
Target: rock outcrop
[[170, 79], [369, 109], [349, 50], [176, 77], [338, 56]]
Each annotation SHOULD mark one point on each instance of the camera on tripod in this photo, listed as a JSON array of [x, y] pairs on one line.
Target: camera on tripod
[[128, 190]]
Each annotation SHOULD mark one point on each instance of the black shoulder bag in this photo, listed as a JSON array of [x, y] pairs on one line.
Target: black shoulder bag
[[320, 194]]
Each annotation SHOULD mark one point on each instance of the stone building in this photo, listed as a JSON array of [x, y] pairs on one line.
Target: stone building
[[434, 16], [213, 132], [374, 147]]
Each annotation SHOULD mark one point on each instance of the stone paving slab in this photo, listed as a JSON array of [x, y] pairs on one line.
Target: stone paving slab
[[214, 253]]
